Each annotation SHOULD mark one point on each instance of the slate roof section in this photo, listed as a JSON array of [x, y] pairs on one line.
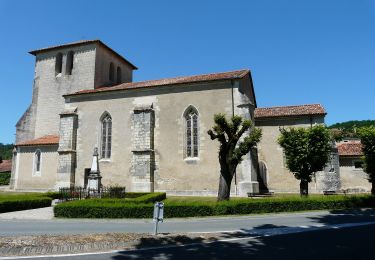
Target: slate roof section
[[72, 44], [231, 75], [289, 111], [350, 148], [44, 140], [6, 166]]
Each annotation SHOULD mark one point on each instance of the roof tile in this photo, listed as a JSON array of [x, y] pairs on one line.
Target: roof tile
[[6, 166], [287, 111], [44, 140], [237, 74], [350, 148]]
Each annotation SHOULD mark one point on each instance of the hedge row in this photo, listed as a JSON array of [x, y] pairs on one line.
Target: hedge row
[[120, 209], [15, 203]]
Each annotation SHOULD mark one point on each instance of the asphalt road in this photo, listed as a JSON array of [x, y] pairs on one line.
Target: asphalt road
[[245, 223], [346, 243]]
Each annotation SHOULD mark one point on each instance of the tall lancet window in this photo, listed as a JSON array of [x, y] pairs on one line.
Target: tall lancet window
[[191, 132], [37, 162], [106, 137]]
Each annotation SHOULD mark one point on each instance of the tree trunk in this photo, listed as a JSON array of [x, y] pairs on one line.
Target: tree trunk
[[224, 189], [304, 188], [373, 187]]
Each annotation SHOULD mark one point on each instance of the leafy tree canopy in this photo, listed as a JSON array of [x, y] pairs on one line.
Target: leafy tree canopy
[[237, 137], [367, 135], [6, 151], [306, 150], [352, 124], [349, 128]]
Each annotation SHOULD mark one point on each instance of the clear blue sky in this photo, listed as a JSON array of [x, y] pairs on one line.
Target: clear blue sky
[[298, 51]]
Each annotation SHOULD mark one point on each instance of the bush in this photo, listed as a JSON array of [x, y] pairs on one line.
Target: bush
[[4, 178], [141, 206], [136, 208], [53, 195], [23, 202]]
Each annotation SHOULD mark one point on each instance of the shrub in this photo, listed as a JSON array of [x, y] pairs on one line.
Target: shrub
[[150, 197], [132, 195], [53, 195], [136, 208], [14, 203], [4, 178]]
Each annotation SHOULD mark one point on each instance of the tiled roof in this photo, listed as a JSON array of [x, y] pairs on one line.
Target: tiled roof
[[44, 140], [6, 166], [286, 111], [34, 52], [237, 74], [350, 148]]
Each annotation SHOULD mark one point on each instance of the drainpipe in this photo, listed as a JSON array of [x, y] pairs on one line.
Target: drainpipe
[[235, 174]]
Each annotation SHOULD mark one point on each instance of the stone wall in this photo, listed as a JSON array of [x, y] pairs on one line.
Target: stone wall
[[103, 59], [24, 179], [172, 171], [353, 179], [279, 178], [143, 162], [67, 150]]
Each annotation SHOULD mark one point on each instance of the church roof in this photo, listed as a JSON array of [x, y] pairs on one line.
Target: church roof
[[237, 74], [6, 166], [350, 148], [44, 140], [289, 111], [83, 42]]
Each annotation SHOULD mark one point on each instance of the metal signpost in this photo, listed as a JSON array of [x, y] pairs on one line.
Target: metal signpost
[[158, 215]]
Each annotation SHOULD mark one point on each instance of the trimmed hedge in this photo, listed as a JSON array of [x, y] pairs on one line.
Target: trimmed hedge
[[137, 209], [14, 203]]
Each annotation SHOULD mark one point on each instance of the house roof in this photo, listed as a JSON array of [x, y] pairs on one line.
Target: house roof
[[6, 166], [35, 52], [237, 74], [44, 140], [350, 148], [289, 111]]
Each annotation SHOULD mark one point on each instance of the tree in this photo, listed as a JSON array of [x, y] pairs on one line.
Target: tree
[[367, 135], [6, 151], [231, 148], [307, 151]]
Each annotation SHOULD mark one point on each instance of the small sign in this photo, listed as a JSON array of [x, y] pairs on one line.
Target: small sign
[[158, 215], [158, 211]]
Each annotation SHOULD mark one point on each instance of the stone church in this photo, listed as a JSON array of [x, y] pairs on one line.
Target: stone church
[[151, 135]]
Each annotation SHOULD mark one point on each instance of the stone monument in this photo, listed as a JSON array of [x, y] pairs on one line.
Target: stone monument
[[94, 178]]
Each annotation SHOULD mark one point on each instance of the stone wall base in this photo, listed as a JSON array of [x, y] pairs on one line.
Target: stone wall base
[[245, 187]]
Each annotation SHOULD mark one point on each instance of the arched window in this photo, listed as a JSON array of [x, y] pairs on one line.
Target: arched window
[[69, 63], [111, 72], [58, 63], [106, 136], [118, 75], [191, 132], [37, 162]]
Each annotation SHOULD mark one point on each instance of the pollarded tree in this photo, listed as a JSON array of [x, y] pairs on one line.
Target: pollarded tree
[[307, 151], [231, 148], [367, 135]]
